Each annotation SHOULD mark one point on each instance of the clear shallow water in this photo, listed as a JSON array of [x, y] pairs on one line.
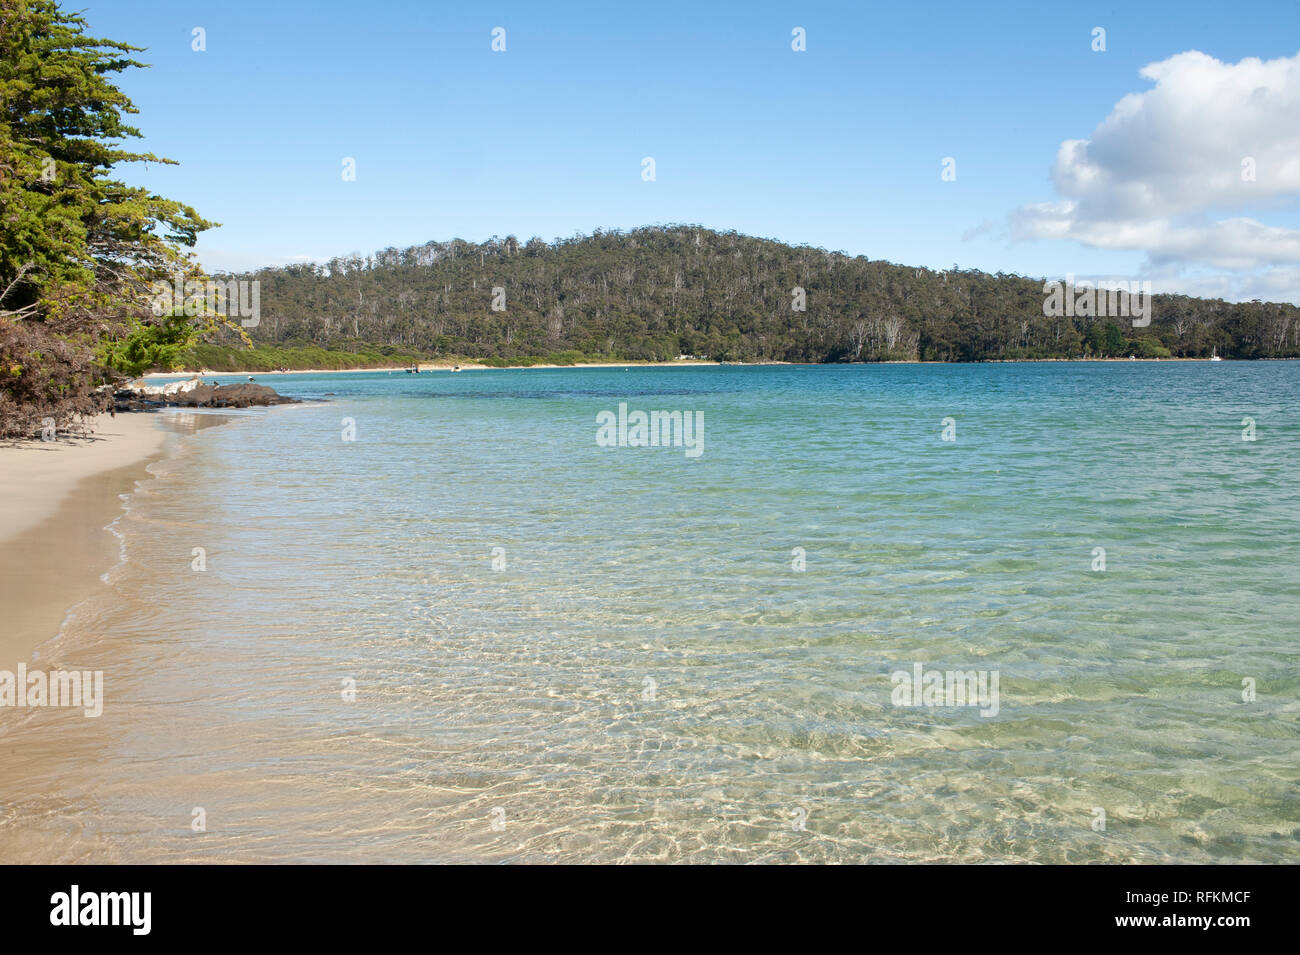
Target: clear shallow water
[[523, 691]]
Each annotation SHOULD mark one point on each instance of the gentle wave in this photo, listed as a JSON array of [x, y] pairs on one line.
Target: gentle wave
[[506, 714]]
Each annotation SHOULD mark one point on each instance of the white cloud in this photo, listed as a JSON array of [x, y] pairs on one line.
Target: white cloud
[[1269, 285], [1163, 173]]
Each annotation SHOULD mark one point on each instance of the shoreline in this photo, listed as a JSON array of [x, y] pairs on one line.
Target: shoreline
[[437, 366], [58, 499], [36, 477], [429, 367]]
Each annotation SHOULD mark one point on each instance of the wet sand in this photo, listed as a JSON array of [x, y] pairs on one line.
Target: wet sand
[[56, 500]]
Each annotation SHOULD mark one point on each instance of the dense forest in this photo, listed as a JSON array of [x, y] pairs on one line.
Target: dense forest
[[656, 293]]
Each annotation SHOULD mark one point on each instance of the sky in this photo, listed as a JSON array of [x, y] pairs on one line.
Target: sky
[[1128, 162]]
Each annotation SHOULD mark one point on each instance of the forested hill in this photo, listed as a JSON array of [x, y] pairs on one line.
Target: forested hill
[[655, 293]]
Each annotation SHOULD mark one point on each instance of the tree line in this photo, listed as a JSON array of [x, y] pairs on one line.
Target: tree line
[[655, 293], [82, 256], [79, 249]]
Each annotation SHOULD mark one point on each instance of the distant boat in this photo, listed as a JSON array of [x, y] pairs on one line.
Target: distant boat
[[1214, 355]]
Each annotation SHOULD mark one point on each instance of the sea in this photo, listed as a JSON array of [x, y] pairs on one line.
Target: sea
[[961, 613]]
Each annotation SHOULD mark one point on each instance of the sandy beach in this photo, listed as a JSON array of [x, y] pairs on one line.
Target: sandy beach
[[428, 366], [56, 499]]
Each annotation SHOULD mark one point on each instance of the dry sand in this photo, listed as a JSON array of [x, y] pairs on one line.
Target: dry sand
[[428, 366], [56, 498]]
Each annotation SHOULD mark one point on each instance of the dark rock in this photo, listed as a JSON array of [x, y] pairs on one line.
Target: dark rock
[[228, 396], [203, 396]]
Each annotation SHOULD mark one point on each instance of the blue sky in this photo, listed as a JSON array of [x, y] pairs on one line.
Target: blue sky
[[839, 146]]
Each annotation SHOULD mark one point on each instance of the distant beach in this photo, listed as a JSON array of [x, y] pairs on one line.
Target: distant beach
[[438, 366], [448, 366]]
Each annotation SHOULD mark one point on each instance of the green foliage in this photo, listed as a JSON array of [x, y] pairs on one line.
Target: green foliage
[[1147, 348], [228, 358], [1113, 340], [149, 346], [79, 250]]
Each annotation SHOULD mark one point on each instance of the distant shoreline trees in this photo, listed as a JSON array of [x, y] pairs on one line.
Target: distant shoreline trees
[[655, 293]]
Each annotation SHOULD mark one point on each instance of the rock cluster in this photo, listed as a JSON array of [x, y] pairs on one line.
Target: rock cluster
[[243, 395]]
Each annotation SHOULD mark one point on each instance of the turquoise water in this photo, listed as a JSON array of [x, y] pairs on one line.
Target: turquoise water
[[648, 677]]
